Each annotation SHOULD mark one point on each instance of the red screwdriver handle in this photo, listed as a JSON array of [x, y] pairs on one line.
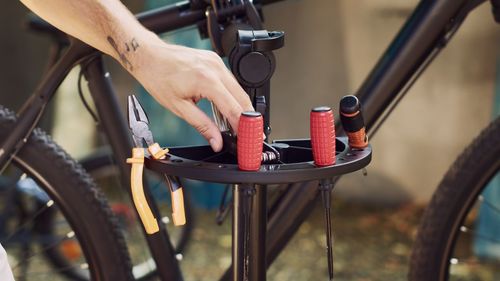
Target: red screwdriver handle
[[250, 141], [322, 136]]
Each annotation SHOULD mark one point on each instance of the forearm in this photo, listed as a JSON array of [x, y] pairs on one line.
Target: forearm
[[177, 77], [106, 25]]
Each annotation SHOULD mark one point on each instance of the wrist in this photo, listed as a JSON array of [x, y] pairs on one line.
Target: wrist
[[133, 51], [149, 43]]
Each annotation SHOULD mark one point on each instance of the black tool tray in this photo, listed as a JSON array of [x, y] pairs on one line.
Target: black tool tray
[[296, 163]]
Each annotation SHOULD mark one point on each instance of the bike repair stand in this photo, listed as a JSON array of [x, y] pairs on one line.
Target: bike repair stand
[[282, 161], [249, 163], [249, 217]]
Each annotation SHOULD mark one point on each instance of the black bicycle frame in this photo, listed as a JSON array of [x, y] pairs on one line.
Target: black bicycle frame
[[426, 31]]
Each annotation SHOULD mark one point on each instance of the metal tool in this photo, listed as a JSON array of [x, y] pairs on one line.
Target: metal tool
[[139, 125]]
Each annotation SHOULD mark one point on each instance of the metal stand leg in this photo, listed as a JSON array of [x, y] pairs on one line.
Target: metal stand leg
[[238, 237], [257, 245], [326, 187], [242, 206]]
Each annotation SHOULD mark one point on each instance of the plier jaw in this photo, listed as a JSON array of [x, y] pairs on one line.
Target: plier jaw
[[138, 123]]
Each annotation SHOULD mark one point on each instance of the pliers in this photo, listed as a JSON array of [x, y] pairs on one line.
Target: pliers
[[139, 125]]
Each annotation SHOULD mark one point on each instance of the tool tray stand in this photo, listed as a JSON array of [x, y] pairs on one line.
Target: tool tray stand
[[249, 188], [250, 54]]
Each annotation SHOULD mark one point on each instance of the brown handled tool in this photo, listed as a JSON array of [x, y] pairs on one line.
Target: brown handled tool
[[351, 117], [138, 123]]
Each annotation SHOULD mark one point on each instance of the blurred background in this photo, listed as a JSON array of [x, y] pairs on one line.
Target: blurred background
[[330, 48]]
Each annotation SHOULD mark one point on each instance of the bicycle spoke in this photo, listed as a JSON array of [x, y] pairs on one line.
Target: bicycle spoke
[[68, 235], [471, 261], [45, 207], [489, 204], [470, 231], [83, 266]]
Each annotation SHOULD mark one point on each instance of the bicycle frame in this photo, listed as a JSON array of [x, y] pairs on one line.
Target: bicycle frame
[[425, 33]]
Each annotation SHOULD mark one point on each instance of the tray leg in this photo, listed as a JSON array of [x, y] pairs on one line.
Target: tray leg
[[258, 229], [242, 206], [326, 186]]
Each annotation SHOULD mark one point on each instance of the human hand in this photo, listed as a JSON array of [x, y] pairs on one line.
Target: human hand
[[178, 77]]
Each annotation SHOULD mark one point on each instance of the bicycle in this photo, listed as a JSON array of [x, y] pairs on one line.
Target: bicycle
[[418, 42]]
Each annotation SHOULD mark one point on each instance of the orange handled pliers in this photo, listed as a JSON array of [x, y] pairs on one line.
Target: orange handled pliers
[[139, 125]]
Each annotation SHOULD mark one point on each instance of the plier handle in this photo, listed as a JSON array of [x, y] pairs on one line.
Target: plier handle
[[139, 125]]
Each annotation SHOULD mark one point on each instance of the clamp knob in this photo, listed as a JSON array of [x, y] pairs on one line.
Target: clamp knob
[[322, 136], [250, 140]]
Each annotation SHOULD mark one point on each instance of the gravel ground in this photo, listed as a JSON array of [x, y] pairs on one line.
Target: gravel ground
[[371, 243]]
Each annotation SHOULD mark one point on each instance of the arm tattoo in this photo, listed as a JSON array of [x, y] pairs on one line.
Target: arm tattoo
[[131, 46]]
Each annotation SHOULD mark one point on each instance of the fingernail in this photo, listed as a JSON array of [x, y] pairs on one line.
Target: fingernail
[[214, 145]]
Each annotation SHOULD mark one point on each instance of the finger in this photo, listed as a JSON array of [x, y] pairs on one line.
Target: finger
[[226, 104], [201, 122], [237, 91]]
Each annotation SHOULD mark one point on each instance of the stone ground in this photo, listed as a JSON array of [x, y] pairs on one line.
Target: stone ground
[[371, 243]]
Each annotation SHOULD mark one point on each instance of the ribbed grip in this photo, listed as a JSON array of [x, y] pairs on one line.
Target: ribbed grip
[[250, 141], [322, 136]]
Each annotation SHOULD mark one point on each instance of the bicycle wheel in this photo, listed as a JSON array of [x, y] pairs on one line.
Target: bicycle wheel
[[103, 169], [444, 248], [50, 202]]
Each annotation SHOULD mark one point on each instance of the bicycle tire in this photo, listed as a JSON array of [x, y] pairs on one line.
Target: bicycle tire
[[76, 196], [454, 198]]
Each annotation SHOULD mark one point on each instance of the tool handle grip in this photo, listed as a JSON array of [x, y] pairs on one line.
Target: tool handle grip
[[176, 193], [351, 117], [141, 204], [178, 212], [250, 141], [322, 136]]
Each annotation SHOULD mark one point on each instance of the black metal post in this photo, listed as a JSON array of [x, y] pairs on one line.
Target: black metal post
[[326, 186], [257, 243], [238, 237], [242, 208]]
